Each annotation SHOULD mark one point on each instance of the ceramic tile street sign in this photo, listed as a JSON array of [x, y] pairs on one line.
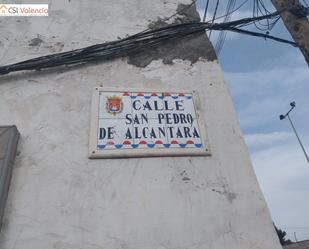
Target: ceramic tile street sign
[[131, 123]]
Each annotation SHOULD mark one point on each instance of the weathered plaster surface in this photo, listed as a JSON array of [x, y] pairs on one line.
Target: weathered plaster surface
[[191, 48], [59, 199]]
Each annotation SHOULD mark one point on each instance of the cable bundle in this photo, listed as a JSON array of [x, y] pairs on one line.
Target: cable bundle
[[145, 39]]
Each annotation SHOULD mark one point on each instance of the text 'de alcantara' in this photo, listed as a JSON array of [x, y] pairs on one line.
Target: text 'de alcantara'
[[140, 123]]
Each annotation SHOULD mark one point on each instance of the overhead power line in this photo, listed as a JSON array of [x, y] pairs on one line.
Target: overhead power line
[[134, 43], [233, 11], [214, 16], [305, 2], [227, 18], [259, 8], [206, 9]]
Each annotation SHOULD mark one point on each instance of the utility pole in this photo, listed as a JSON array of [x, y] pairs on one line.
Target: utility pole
[[294, 16]]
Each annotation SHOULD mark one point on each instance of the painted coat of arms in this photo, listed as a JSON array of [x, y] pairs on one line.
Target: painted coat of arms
[[114, 105]]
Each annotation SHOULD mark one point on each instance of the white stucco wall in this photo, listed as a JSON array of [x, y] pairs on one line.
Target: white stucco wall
[[59, 199]]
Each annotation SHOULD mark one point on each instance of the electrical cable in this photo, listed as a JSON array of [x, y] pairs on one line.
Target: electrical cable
[[222, 34], [206, 9], [252, 33], [137, 42], [220, 37], [259, 8], [214, 16], [237, 8]]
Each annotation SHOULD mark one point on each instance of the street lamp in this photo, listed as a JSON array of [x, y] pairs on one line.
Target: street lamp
[[293, 105]]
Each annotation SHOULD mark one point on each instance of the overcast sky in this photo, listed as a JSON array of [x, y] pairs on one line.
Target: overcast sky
[[263, 78]]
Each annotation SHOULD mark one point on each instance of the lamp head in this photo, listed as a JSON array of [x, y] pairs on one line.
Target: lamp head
[[282, 117], [293, 104]]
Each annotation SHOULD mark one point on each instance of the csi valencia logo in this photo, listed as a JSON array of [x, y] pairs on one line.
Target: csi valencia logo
[[3, 8], [114, 105], [23, 9]]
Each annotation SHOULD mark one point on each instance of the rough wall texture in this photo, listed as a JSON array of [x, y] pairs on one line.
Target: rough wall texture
[[59, 199], [191, 48]]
